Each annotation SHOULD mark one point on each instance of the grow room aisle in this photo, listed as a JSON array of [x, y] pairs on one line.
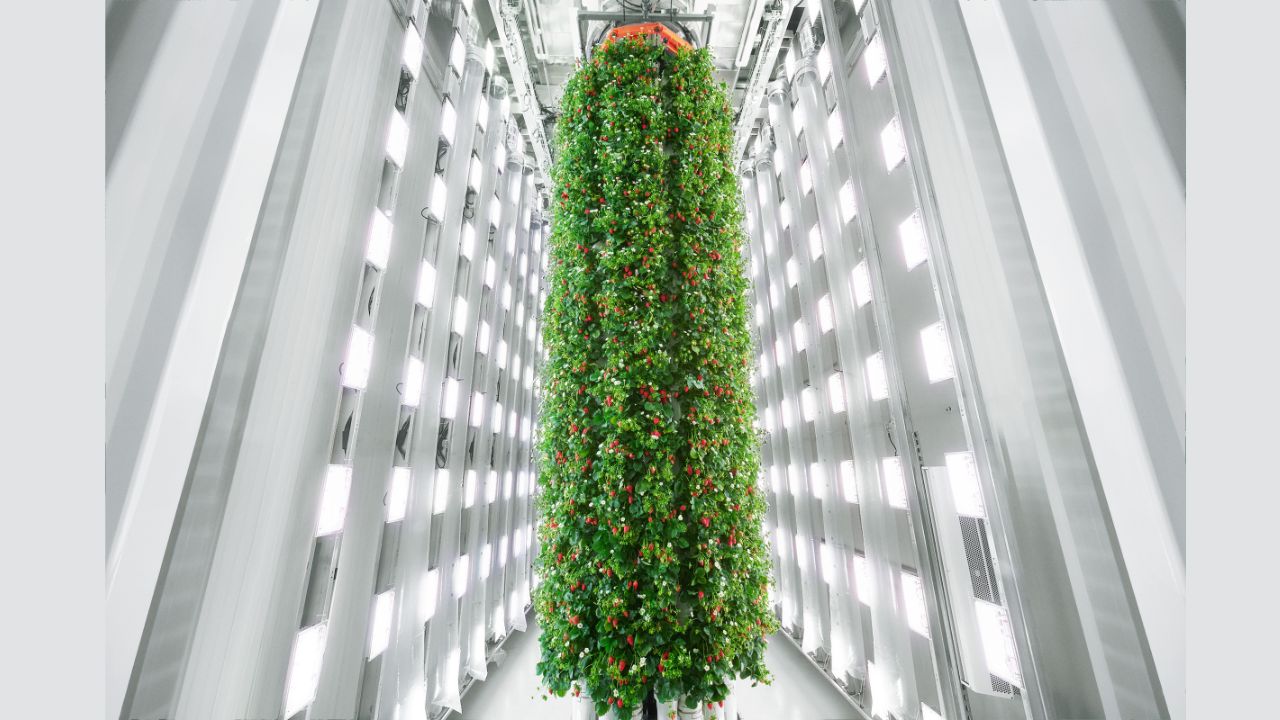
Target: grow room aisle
[[798, 692]]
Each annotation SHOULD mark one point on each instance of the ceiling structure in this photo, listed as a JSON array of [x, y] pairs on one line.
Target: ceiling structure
[[541, 40]]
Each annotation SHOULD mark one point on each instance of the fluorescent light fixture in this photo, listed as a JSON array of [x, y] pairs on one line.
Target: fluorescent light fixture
[[826, 314], [928, 713], [426, 284], [801, 548], [398, 495], [397, 138], [477, 409], [517, 543], [304, 668], [861, 284], [835, 128], [512, 421], [448, 121], [875, 59], [475, 174], [506, 296], [486, 560], [913, 602], [380, 630], [818, 480], [411, 54], [808, 404], [862, 580], [877, 377], [815, 242], [835, 391], [442, 491], [430, 591], [775, 480], [439, 194], [824, 63], [793, 272], [806, 178], [915, 247], [468, 240], [378, 248], [848, 203], [937, 353], [457, 53], [522, 483], [502, 551], [784, 211], [459, 315], [799, 335], [490, 272], [849, 481], [508, 479], [500, 153], [997, 641], [895, 482], [502, 354], [461, 570], [413, 373], [528, 375], [449, 399], [469, 488], [491, 487], [333, 500], [827, 561], [775, 295], [498, 417], [962, 471], [495, 217], [488, 55], [355, 369], [893, 144], [482, 338]]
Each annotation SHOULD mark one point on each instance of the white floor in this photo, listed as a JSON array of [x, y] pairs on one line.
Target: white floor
[[798, 691]]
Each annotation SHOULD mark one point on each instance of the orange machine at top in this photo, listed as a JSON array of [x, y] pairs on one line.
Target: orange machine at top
[[657, 31]]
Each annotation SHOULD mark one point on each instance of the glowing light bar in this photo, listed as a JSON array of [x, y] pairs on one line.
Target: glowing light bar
[[806, 178], [482, 338], [449, 399], [848, 203], [457, 53], [304, 668], [997, 641], [876, 61], [502, 551], [893, 144], [793, 272], [398, 495], [439, 195], [799, 335], [475, 173], [459, 315], [469, 489], [784, 210], [937, 353], [397, 138], [915, 247], [861, 284], [468, 240], [815, 242], [448, 121], [442, 491], [486, 561], [895, 482], [411, 54], [333, 500], [379, 247], [962, 471], [491, 487], [355, 369], [477, 409], [913, 600], [380, 631], [508, 479], [498, 417], [835, 129], [849, 481], [835, 391], [877, 377], [826, 314], [413, 373], [808, 404], [461, 569]]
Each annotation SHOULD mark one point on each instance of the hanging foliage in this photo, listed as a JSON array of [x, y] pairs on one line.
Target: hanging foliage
[[654, 568]]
